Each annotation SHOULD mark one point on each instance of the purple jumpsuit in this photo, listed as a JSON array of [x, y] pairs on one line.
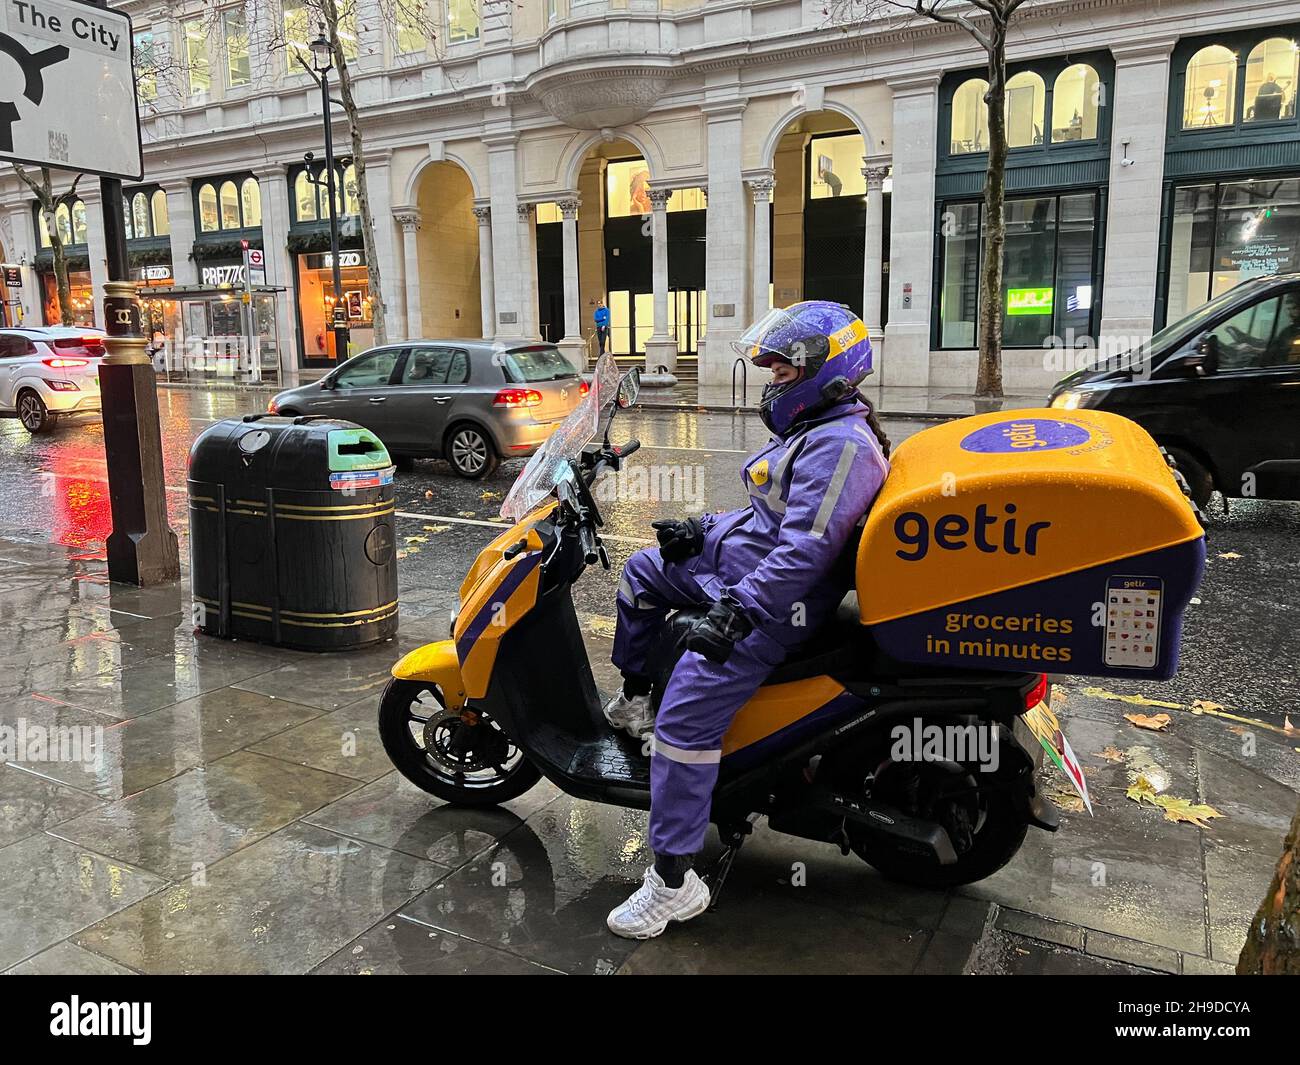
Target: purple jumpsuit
[[807, 491]]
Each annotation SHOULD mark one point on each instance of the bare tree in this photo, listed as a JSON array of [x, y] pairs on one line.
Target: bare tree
[[1272, 945], [49, 202], [987, 22]]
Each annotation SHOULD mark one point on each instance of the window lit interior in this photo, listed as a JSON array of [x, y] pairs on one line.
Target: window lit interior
[[1208, 96], [970, 118], [1076, 98], [1026, 96], [1271, 71], [196, 57], [462, 20], [835, 167]]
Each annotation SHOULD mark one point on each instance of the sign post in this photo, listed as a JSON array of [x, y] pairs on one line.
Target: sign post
[[76, 110]]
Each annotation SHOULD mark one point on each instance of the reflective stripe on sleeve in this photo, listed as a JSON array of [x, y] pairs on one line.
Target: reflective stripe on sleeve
[[834, 489], [677, 754]]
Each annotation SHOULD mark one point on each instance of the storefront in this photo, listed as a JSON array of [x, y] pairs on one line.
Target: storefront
[[315, 295], [210, 332], [1231, 204], [70, 221], [149, 257], [1058, 133]]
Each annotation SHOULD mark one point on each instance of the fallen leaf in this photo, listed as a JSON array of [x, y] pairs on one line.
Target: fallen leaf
[[436, 528], [1136, 700], [417, 539], [1111, 754], [600, 625], [1201, 705], [428, 493], [1179, 811], [1288, 728], [1229, 554], [1064, 798], [1158, 723], [465, 513], [489, 495]]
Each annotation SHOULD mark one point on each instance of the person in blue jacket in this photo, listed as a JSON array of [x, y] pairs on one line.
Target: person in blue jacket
[[601, 318], [764, 570]]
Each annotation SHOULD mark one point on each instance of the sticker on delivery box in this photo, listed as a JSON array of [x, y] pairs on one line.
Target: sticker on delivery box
[[1025, 435]]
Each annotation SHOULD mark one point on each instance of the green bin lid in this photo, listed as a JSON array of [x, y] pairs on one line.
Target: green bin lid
[[356, 449]]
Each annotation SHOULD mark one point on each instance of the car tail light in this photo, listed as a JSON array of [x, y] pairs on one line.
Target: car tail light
[[583, 388], [271, 408], [1037, 693], [65, 364], [518, 397]]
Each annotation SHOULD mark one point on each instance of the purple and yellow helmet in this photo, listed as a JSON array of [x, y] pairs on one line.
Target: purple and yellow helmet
[[825, 340]]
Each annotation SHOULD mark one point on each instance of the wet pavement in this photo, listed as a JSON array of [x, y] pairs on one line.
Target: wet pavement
[[241, 816]]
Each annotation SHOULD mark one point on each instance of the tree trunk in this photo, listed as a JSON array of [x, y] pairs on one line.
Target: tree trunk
[[330, 9], [1273, 943], [989, 379]]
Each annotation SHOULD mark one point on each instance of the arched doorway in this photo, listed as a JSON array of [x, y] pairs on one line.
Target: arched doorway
[[819, 214], [448, 264]]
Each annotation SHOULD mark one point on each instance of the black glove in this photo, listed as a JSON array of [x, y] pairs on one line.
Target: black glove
[[716, 634], [679, 540]]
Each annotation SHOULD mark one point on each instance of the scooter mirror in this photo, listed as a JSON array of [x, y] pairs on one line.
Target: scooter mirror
[[629, 387]]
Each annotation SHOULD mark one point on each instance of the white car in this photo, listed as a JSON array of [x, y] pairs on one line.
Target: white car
[[49, 372]]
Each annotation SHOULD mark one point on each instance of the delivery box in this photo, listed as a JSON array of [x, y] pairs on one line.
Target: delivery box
[[1046, 540]]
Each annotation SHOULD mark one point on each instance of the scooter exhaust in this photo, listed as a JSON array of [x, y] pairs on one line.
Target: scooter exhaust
[[929, 836]]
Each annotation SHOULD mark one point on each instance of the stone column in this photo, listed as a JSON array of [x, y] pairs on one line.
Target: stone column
[[180, 220], [280, 266], [760, 187], [507, 250], [408, 218], [725, 253], [661, 347], [905, 355], [21, 245], [486, 282], [96, 248], [1138, 116], [378, 184], [573, 346], [875, 172], [530, 318]]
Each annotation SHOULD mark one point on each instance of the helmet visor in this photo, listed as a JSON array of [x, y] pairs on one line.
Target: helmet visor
[[769, 339]]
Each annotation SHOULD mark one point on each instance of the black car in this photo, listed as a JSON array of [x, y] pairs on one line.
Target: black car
[[1220, 389]]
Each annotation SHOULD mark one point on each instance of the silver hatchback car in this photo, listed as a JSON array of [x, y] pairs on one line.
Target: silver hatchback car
[[472, 402]]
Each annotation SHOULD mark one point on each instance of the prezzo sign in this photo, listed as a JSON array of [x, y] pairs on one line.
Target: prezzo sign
[[67, 88], [325, 261], [222, 275]]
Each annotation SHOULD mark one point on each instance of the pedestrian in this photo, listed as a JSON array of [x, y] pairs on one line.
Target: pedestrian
[[601, 318], [764, 571]]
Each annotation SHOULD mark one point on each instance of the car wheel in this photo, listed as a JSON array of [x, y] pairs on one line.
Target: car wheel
[[1199, 480], [33, 413], [470, 452]]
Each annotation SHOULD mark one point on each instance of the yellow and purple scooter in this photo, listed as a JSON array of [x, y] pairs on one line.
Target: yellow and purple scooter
[[1002, 548]]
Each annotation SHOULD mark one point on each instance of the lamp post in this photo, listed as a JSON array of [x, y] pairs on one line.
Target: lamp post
[[322, 61]]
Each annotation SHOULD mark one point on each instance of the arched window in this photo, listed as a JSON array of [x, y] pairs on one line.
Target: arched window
[[1272, 69], [126, 219], [209, 220], [304, 195], [229, 205], [970, 118], [351, 201], [140, 214], [1210, 88], [79, 234], [1076, 99], [158, 211], [1026, 95], [252, 197], [63, 223]]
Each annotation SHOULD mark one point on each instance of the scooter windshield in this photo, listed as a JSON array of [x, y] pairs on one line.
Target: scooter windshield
[[550, 463]]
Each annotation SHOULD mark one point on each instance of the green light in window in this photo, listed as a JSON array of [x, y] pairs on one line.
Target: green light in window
[[1029, 301]]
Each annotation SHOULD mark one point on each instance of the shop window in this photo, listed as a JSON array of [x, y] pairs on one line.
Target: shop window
[[1076, 97], [229, 205], [140, 214], [234, 30], [970, 118], [69, 221], [687, 200], [351, 201], [1210, 88], [627, 191], [146, 70], [1025, 98], [196, 57], [462, 20], [835, 167], [79, 233], [1049, 265], [209, 220], [158, 214], [251, 195], [548, 213], [1271, 73], [304, 195]]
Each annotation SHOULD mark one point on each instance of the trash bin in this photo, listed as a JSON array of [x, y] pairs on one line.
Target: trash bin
[[291, 533]]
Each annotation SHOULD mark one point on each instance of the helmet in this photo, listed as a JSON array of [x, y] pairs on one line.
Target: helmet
[[827, 341]]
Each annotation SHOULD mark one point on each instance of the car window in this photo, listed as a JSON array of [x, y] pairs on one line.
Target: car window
[[1246, 339], [459, 372], [13, 345], [427, 366], [369, 371], [1285, 347], [540, 363]]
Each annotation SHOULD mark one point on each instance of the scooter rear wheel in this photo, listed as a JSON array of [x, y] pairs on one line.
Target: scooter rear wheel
[[463, 758]]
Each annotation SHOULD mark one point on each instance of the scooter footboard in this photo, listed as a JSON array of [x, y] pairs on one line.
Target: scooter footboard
[[437, 664]]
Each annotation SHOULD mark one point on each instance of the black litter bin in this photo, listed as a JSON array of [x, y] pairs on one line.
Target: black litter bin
[[291, 533]]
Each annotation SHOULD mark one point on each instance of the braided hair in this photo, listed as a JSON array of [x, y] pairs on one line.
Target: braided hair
[[873, 422]]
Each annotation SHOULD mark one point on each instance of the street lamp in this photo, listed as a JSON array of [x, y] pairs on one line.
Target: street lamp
[[322, 61]]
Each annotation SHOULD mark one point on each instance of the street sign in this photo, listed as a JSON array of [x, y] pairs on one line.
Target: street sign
[[256, 266], [13, 276], [67, 88]]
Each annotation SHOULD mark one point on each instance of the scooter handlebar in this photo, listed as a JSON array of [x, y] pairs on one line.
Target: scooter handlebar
[[587, 539]]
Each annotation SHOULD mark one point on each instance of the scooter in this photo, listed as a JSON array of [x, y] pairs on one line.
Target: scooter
[[478, 719]]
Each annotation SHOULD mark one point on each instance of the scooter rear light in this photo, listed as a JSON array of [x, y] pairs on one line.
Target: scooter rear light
[[583, 388], [518, 397], [1037, 693]]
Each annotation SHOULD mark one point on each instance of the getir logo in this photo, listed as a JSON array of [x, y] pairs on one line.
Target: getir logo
[[956, 532]]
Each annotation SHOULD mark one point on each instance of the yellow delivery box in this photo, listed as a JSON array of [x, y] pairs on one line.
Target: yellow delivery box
[[1031, 539]]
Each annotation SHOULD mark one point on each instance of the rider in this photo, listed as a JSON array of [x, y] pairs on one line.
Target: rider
[[764, 571]]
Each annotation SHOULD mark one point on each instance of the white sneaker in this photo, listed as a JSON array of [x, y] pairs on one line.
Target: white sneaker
[[647, 913], [633, 714]]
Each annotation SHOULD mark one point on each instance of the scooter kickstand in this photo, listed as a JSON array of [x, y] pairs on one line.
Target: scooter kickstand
[[717, 875]]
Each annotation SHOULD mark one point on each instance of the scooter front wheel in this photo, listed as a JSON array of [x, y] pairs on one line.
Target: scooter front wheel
[[462, 757]]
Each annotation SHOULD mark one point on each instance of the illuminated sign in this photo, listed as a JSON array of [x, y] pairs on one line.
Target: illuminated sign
[[1029, 301]]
